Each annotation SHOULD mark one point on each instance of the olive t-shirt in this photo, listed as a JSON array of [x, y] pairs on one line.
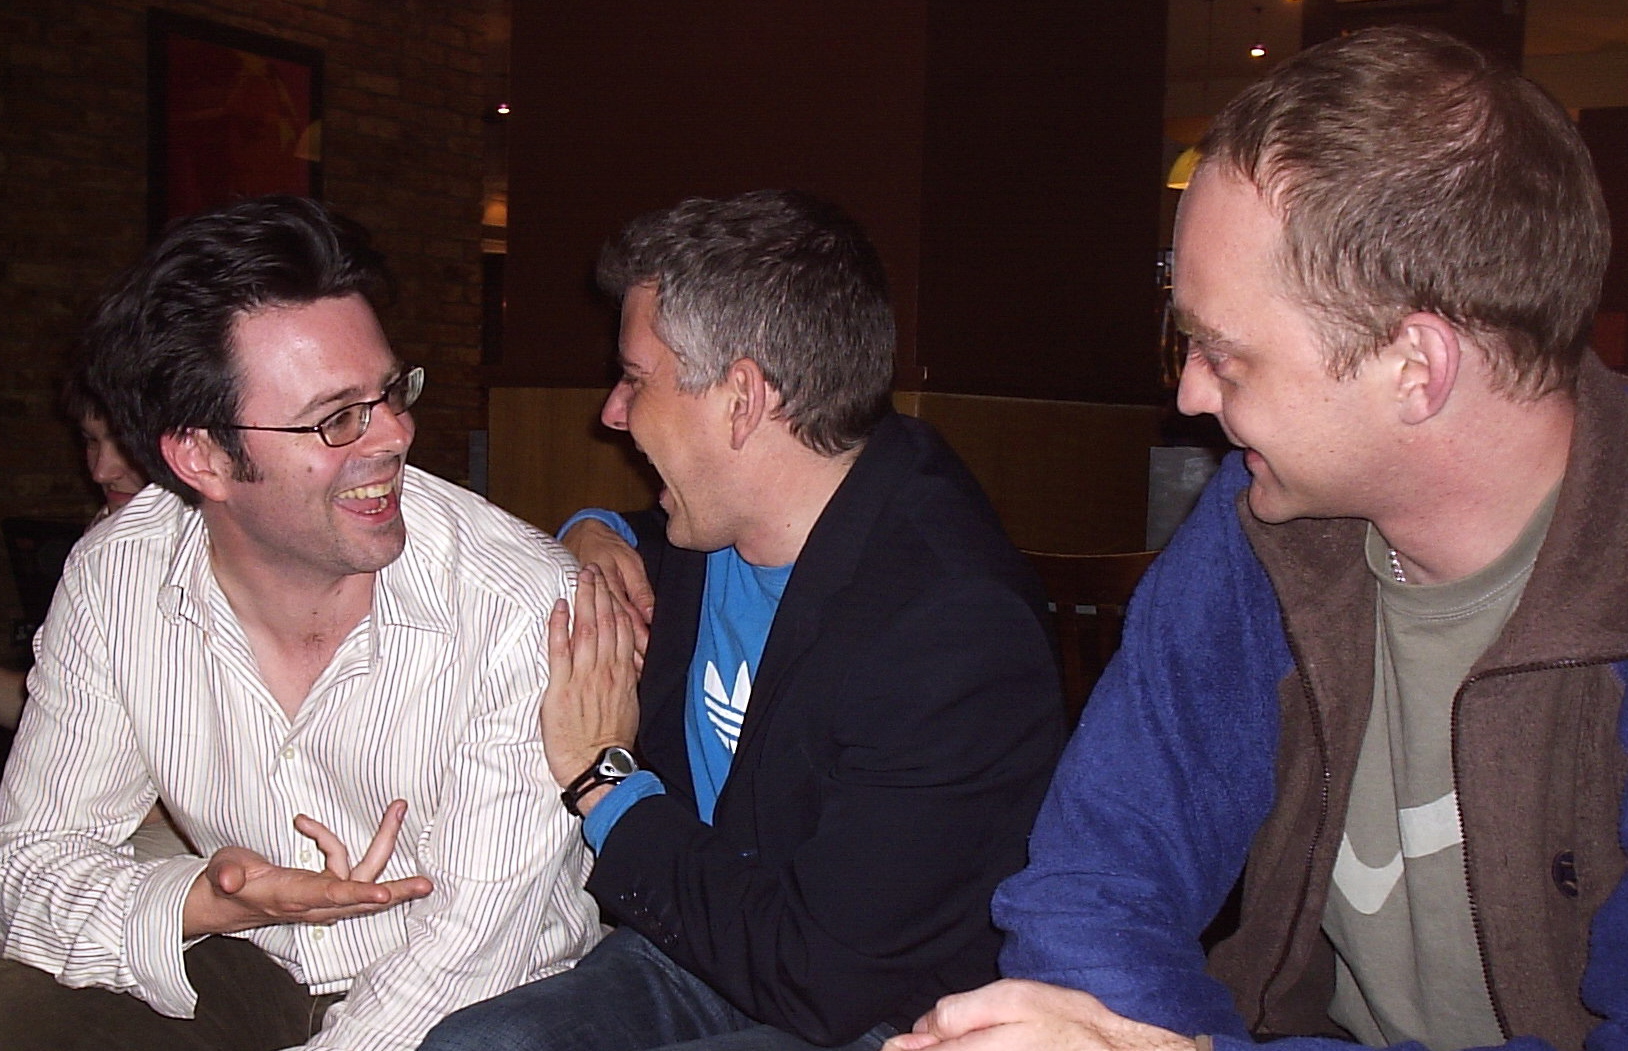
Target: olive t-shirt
[[1407, 966]]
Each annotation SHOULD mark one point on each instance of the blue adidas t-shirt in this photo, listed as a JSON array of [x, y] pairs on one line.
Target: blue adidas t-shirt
[[738, 605], [737, 609]]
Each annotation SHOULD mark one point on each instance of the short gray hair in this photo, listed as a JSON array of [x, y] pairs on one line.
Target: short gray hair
[[777, 276]]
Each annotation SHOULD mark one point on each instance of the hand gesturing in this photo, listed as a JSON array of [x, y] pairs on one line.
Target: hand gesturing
[[240, 889]]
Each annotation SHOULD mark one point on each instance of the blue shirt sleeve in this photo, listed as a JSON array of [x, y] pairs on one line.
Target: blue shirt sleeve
[[618, 801], [1151, 811], [610, 518]]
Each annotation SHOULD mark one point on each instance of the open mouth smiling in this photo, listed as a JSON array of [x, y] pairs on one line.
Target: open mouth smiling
[[368, 499]]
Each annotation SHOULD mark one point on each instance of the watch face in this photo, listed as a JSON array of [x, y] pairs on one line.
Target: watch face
[[617, 762]]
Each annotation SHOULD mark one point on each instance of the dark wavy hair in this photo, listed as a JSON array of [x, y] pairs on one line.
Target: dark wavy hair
[[158, 350]]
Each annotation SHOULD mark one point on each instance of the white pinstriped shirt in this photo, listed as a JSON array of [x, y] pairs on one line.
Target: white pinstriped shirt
[[146, 688]]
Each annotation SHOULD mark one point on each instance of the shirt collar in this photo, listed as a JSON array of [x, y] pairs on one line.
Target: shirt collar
[[411, 592], [415, 591], [189, 581]]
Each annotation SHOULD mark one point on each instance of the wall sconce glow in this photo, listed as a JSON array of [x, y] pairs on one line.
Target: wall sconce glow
[[1258, 51], [503, 109], [1181, 172], [495, 209]]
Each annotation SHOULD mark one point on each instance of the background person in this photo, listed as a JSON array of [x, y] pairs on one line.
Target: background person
[[112, 468], [117, 478]]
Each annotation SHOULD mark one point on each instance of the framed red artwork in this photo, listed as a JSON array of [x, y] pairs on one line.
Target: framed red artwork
[[231, 114]]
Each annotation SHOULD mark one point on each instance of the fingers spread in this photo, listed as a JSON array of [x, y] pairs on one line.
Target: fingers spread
[[347, 898], [383, 844], [333, 850], [342, 893]]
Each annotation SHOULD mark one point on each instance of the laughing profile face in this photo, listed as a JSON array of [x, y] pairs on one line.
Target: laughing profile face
[[307, 507], [683, 435]]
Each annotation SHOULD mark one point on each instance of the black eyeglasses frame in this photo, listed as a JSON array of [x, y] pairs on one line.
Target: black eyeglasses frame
[[410, 384]]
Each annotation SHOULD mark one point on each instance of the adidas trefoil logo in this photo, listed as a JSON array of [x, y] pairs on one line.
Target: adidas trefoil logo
[[726, 710]]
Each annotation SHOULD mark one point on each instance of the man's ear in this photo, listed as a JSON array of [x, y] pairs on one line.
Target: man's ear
[[1429, 354], [196, 460], [751, 400]]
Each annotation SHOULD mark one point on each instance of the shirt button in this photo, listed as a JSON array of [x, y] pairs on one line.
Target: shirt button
[[288, 753], [305, 857], [317, 934]]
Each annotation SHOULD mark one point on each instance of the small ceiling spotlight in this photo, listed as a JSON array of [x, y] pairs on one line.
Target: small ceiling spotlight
[[1259, 48]]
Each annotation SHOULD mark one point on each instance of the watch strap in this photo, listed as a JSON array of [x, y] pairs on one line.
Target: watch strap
[[595, 776]]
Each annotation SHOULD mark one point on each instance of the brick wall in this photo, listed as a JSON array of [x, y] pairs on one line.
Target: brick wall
[[406, 82]]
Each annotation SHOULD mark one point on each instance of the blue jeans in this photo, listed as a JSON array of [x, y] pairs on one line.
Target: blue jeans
[[626, 995]]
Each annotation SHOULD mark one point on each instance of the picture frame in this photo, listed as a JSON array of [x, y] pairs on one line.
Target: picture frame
[[231, 114]]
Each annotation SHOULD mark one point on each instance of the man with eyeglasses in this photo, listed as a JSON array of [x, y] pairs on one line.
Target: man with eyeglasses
[[325, 664]]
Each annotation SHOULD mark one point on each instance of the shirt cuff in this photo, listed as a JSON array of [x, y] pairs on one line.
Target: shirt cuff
[[596, 827], [153, 938], [610, 518]]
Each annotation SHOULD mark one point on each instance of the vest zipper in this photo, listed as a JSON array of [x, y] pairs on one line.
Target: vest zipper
[[1469, 887], [1321, 739]]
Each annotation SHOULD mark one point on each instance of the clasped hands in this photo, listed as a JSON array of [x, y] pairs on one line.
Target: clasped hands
[[1032, 1016], [594, 658], [593, 674], [621, 575], [240, 890]]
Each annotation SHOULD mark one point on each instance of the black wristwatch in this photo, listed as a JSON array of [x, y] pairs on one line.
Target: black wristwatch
[[613, 766]]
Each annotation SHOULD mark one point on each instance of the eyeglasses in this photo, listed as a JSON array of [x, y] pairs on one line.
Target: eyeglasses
[[346, 425]]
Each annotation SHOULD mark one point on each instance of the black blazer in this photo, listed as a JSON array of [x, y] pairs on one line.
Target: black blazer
[[902, 730]]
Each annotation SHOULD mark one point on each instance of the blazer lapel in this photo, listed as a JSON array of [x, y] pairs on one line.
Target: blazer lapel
[[828, 562], [663, 688]]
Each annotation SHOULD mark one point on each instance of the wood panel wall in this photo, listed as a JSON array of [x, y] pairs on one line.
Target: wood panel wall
[[549, 456], [1064, 476]]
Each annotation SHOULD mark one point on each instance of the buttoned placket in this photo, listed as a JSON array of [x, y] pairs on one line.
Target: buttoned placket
[[295, 783]]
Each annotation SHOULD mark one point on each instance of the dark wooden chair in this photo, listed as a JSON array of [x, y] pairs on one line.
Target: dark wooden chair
[[1088, 595]]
